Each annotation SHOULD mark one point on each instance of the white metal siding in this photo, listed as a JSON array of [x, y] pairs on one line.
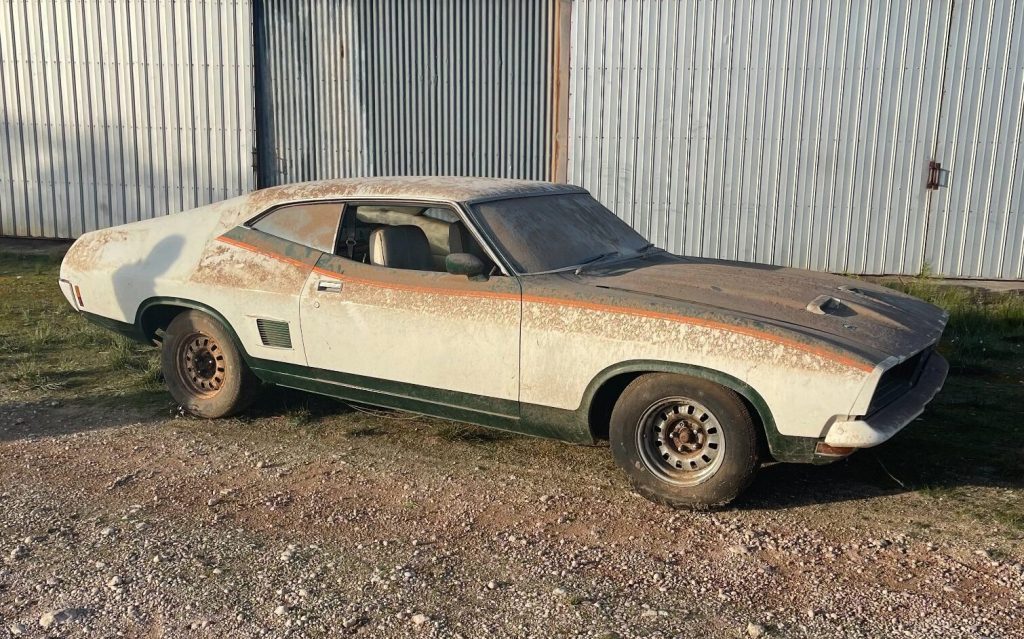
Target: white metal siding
[[799, 133], [977, 225], [398, 87], [119, 110]]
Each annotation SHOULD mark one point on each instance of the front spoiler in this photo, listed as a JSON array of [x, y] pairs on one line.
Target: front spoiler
[[883, 424]]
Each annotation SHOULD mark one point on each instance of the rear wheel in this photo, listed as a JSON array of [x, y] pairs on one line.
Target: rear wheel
[[204, 369], [684, 441]]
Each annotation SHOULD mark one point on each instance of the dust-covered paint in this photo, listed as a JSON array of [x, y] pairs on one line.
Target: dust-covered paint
[[540, 342], [443, 331]]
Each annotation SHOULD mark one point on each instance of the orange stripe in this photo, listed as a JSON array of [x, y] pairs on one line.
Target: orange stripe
[[590, 306], [696, 321], [454, 292]]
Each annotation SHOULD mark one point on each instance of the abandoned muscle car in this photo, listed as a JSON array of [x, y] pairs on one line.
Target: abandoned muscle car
[[523, 306]]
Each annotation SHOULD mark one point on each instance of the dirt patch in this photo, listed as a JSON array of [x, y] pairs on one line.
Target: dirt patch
[[306, 518]]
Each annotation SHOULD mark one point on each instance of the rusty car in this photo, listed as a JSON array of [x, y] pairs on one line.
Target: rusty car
[[518, 305]]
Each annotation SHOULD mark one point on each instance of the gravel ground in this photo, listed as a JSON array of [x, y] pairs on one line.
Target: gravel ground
[[138, 522]]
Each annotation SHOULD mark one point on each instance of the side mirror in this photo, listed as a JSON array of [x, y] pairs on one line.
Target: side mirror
[[465, 264]]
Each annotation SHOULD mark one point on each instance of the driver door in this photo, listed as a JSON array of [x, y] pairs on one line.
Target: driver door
[[414, 338]]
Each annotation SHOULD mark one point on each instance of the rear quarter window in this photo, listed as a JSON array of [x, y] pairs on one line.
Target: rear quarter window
[[312, 224]]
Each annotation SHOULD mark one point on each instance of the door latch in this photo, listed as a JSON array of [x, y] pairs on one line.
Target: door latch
[[937, 176]]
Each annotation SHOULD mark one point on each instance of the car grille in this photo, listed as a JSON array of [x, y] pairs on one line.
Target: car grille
[[899, 379]]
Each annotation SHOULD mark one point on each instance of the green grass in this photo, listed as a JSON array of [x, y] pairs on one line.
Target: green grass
[[984, 327], [972, 435], [48, 351]]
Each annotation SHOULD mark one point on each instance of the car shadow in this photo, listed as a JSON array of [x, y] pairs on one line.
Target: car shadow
[[280, 401], [780, 486], [136, 281], [920, 458], [57, 418]]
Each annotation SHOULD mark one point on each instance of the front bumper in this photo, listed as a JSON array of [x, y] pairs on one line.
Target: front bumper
[[880, 426]]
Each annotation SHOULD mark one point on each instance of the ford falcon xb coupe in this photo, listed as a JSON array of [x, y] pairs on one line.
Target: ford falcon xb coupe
[[523, 306]]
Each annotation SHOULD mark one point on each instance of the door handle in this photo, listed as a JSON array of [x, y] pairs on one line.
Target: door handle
[[329, 286]]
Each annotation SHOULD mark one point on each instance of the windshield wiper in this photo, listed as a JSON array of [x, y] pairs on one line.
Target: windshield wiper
[[579, 268], [593, 260], [640, 251], [574, 267]]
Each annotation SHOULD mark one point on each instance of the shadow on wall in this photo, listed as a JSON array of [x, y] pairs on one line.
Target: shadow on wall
[[137, 281], [65, 182]]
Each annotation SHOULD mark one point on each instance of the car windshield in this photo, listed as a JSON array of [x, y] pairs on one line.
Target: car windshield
[[556, 232]]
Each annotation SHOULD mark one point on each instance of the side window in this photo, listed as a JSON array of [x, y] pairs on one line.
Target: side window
[[313, 224], [445, 215], [404, 236]]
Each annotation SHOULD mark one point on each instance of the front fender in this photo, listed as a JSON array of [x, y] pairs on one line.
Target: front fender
[[786, 448]]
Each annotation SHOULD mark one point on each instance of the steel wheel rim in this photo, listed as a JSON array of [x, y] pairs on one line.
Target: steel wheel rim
[[201, 365], [680, 441]]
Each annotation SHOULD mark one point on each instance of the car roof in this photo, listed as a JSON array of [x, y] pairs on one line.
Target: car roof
[[439, 188]]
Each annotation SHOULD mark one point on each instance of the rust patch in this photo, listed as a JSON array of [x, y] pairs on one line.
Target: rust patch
[[442, 188], [616, 313], [622, 311], [227, 265], [496, 308], [693, 335], [86, 253]]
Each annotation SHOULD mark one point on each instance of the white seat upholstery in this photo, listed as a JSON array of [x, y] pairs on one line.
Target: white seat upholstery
[[401, 247]]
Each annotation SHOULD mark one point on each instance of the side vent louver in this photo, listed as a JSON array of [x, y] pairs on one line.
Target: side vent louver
[[274, 333]]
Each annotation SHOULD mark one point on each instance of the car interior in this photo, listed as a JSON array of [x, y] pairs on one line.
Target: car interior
[[406, 237]]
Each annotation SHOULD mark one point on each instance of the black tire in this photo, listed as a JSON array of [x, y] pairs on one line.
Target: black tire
[[684, 442], [204, 368]]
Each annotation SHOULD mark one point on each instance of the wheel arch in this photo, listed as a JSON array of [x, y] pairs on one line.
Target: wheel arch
[[156, 313], [605, 389]]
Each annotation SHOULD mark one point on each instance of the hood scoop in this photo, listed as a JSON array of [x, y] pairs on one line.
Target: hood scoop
[[825, 305]]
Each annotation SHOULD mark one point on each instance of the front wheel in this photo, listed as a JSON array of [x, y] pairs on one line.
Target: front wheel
[[204, 369], [684, 441]]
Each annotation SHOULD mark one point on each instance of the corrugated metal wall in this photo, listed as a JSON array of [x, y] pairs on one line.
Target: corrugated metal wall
[[120, 110], [799, 133], [781, 131], [311, 117], [390, 87], [976, 227]]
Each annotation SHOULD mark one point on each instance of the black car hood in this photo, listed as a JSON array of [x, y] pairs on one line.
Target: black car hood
[[854, 312]]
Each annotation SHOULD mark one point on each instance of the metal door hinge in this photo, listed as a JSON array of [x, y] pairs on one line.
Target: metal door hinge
[[937, 176]]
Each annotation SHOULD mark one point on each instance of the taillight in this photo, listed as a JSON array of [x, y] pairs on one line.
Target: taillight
[[78, 297]]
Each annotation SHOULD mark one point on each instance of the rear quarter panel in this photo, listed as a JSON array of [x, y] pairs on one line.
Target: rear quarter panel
[[181, 257], [117, 268]]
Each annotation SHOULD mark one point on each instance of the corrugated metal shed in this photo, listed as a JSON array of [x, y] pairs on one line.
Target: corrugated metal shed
[[120, 110], [976, 227], [392, 87], [799, 133], [795, 133]]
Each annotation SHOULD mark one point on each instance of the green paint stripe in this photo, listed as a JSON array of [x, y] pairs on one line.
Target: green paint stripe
[[479, 403], [273, 245], [491, 412]]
